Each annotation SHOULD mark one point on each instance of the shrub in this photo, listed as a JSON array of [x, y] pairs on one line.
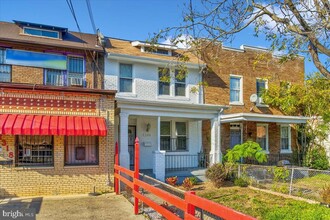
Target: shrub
[[193, 180], [281, 174], [325, 194], [217, 174], [316, 158], [248, 149], [172, 180], [187, 184], [241, 182]]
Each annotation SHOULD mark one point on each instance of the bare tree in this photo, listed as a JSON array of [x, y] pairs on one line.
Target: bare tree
[[292, 26]]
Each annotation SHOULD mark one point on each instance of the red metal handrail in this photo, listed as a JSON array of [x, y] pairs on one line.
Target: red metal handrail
[[188, 204]]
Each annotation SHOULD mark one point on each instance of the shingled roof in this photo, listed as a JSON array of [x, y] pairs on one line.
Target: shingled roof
[[11, 32]]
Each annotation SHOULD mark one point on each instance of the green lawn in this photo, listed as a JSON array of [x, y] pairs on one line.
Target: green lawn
[[263, 205]]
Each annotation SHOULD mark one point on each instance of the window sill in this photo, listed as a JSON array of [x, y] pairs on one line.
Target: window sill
[[286, 152], [167, 97], [81, 166], [34, 168], [126, 94], [236, 103]]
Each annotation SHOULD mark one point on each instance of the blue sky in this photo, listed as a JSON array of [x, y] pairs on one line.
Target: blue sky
[[126, 19]]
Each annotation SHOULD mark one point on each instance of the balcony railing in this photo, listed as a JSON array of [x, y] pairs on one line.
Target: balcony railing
[[174, 144], [184, 161]]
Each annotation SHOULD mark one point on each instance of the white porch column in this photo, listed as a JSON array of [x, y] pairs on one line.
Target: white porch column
[[123, 141], [159, 157], [215, 153]]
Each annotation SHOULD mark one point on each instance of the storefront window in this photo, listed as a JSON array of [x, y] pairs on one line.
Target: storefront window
[[35, 150], [82, 150]]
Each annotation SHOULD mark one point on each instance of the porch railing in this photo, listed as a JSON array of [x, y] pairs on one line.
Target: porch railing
[[174, 144], [273, 159], [184, 161]]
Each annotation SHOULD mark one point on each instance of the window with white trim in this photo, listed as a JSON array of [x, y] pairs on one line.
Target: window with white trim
[[262, 136], [5, 70], [181, 136], [285, 138], [165, 135], [236, 91], [164, 81], [180, 83], [75, 71], [125, 77], [82, 150], [262, 85]]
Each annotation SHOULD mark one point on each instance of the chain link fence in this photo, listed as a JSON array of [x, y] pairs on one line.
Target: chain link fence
[[302, 182]]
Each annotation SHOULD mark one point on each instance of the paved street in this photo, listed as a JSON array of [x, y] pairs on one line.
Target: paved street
[[80, 207]]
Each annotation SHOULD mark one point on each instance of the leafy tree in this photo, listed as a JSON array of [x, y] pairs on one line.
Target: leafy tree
[[249, 149], [312, 100], [291, 26]]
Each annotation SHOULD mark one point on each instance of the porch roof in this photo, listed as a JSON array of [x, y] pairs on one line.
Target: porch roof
[[168, 109], [263, 118]]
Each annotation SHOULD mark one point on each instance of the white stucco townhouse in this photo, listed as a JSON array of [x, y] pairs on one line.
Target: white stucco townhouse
[[166, 116]]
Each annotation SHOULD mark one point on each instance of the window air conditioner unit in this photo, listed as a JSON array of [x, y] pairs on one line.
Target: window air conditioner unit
[[75, 81]]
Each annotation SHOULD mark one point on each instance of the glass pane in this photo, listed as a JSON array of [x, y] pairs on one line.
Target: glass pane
[[76, 65], [234, 96], [180, 89], [125, 70], [54, 77], [5, 73], [261, 86], [262, 136], [165, 128], [182, 143], [164, 88], [2, 56], [81, 150], [125, 85], [181, 128], [43, 33], [284, 132], [180, 76], [285, 143], [235, 83], [165, 143]]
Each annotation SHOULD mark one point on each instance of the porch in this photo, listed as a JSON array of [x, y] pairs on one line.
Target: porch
[[170, 135]]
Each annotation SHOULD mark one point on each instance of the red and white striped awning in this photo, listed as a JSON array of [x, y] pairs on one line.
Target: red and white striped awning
[[20, 124]]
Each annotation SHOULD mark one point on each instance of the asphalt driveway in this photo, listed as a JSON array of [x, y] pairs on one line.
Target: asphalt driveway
[[80, 207]]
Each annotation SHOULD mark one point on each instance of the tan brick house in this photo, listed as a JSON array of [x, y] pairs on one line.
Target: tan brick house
[[237, 78], [56, 121]]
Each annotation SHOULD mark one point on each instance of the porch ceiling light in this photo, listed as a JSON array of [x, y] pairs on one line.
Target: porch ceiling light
[[148, 127]]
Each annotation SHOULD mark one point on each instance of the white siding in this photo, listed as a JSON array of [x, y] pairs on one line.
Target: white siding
[[145, 82]]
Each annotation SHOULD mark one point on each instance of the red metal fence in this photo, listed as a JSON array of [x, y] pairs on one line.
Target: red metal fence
[[187, 205]]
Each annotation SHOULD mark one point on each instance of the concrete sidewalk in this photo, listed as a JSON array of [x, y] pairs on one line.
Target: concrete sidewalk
[[80, 207]]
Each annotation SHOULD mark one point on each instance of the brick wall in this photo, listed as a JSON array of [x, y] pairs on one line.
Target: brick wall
[[34, 75], [61, 179], [250, 64]]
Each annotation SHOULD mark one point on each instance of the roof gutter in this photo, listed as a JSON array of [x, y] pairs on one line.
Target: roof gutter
[[152, 60]]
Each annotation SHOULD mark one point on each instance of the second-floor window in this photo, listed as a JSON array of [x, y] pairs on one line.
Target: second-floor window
[[261, 87], [125, 77], [236, 95], [164, 81], [54, 77], [75, 71], [5, 70], [180, 83]]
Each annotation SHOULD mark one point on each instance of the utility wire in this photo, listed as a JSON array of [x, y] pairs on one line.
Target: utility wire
[[90, 12]]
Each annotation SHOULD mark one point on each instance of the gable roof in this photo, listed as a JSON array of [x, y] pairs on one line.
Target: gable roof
[[11, 32], [124, 47]]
